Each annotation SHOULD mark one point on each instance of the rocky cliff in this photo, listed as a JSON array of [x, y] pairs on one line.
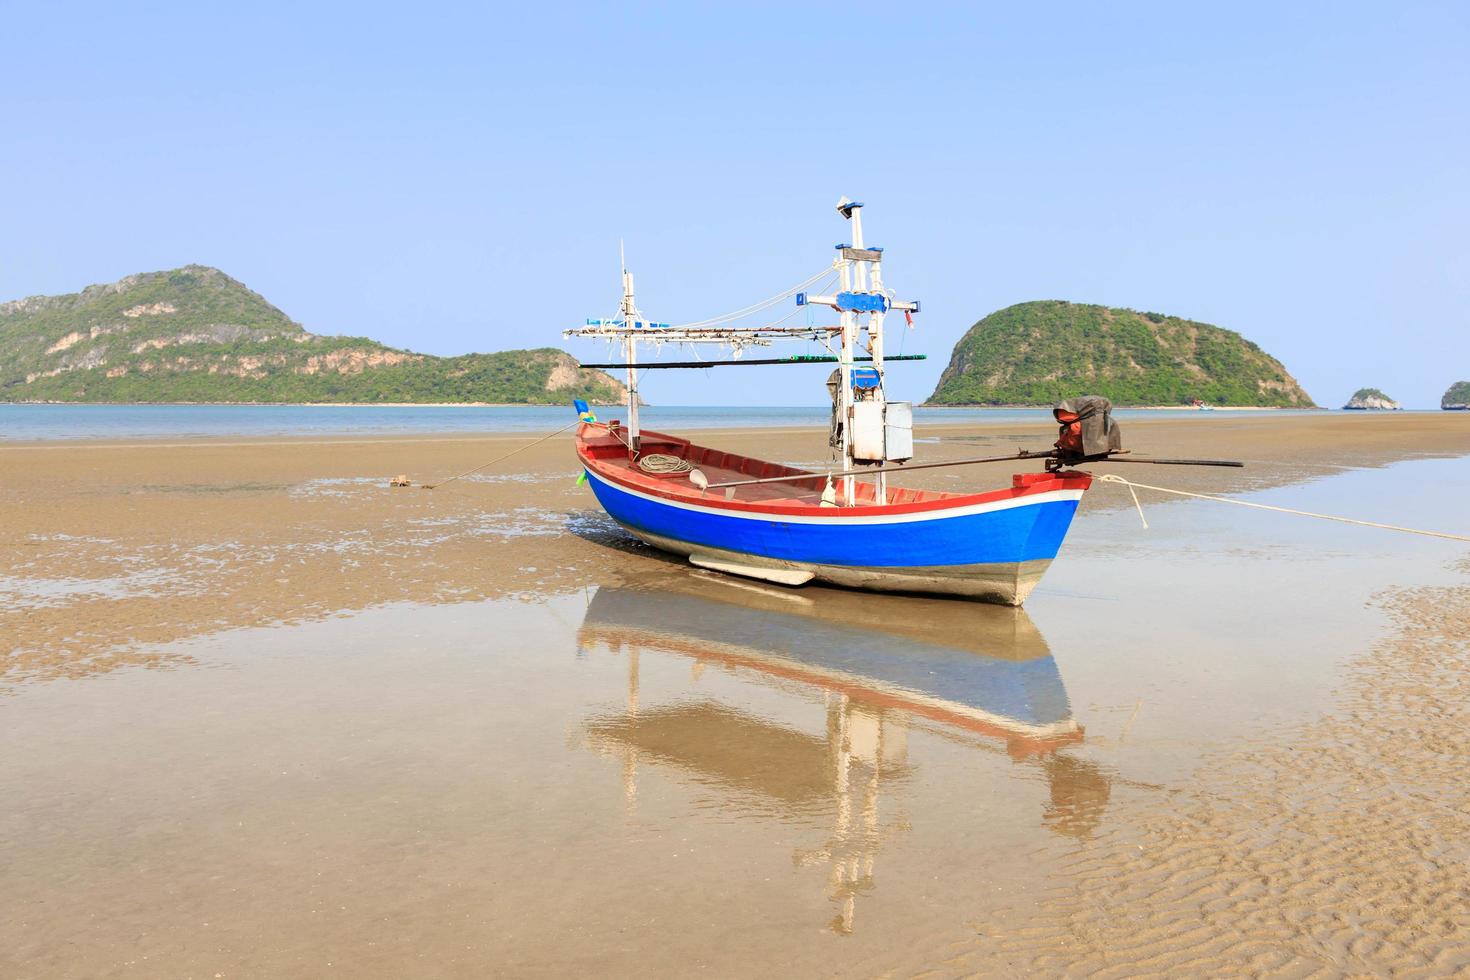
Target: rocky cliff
[[1371, 400], [1457, 398]]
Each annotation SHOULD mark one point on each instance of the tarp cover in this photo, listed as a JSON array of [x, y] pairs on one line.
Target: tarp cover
[[834, 388], [1091, 416]]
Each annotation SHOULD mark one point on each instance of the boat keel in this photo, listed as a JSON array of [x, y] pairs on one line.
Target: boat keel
[[1005, 583], [781, 576]]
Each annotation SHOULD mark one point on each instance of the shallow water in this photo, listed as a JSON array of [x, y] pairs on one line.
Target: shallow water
[[671, 770], [33, 422]]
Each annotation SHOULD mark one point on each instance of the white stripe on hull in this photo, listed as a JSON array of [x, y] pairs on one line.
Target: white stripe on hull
[[1007, 583], [843, 516]]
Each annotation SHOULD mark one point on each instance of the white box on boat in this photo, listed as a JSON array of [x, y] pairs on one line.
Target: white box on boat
[[867, 431], [898, 434], [882, 431]]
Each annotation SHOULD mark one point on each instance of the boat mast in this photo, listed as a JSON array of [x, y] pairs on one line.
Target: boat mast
[[630, 319], [861, 293], [848, 321], [854, 213], [875, 336]]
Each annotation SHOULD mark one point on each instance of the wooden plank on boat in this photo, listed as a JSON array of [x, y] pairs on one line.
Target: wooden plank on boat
[[781, 576]]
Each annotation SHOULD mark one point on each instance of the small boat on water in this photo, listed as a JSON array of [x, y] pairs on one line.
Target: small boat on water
[[846, 526], [991, 545]]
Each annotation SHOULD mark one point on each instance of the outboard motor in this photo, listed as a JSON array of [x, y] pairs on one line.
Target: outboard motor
[[1087, 429]]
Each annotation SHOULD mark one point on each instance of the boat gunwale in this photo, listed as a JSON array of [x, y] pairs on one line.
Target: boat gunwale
[[943, 501]]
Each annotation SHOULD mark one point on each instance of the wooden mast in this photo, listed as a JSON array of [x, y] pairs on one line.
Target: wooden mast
[[630, 319], [861, 293]]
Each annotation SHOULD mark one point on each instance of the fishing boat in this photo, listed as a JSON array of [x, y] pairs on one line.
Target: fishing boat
[[991, 545], [845, 526]]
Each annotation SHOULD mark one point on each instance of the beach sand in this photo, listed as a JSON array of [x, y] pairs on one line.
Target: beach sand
[[112, 546], [1337, 848], [1330, 843]]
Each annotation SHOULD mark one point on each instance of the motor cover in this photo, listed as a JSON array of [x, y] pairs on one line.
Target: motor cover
[[1087, 428]]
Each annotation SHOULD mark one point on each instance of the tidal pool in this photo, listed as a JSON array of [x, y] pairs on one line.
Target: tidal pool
[[670, 771]]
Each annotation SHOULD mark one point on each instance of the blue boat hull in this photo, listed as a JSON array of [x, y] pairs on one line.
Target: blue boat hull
[[995, 551]]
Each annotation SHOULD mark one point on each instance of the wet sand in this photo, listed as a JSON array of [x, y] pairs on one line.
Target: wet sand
[[1336, 847], [399, 730], [108, 547]]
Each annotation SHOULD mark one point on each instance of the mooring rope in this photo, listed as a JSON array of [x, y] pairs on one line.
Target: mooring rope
[[431, 486], [1111, 478]]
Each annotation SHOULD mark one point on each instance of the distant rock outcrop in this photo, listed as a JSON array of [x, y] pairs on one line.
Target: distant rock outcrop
[[1372, 400], [1041, 352], [196, 335], [1457, 399]]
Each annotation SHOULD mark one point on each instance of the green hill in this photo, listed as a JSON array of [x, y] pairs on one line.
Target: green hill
[[1040, 352], [196, 335], [1371, 399], [1457, 397]]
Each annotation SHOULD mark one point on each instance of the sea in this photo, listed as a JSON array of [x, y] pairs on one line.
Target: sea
[[27, 423]]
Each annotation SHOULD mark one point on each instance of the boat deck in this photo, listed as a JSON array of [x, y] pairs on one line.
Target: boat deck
[[609, 448]]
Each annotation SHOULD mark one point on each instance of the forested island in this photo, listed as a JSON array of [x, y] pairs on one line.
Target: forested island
[[1039, 352], [1371, 400], [196, 335], [1457, 398]]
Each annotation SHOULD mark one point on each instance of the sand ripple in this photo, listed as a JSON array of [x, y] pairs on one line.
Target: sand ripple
[[1341, 847]]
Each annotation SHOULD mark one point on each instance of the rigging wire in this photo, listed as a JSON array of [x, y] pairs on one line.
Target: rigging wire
[[763, 304], [798, 309], [826, 283]]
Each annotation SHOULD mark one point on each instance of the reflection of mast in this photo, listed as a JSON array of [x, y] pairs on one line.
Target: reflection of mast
[[852, 850], [630, 753], [875, 684], [861, 748], [632, 681]]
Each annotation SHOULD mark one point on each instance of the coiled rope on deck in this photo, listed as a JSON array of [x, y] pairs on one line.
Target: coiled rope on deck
[[1132, 487], [663, 463]]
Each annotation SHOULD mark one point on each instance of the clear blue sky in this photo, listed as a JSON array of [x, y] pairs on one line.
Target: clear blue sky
[[457, 178]]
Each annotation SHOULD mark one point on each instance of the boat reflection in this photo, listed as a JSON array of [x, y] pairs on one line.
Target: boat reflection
[[875, 667]]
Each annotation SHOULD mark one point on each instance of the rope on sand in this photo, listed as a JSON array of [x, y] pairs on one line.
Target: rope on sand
[[431, 486], [1110, 478]]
